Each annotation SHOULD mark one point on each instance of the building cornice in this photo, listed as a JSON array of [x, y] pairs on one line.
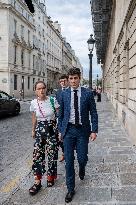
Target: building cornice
[[17, 13]]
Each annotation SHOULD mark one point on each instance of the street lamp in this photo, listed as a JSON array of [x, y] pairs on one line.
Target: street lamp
[[90, 42]]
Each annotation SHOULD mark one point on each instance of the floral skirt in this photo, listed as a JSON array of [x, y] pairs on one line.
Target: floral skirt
[[46, 144]]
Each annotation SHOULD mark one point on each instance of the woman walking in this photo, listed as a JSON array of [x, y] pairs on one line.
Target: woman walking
[[45, 134]]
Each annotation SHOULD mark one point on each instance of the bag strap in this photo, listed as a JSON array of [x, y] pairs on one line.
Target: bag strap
[[40, 109], [52, 103]]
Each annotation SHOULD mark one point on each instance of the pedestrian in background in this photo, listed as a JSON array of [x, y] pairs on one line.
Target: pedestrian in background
[[45, 135], [21, 94], [94, 91], [99, 95], [74, 125], [63, 81]]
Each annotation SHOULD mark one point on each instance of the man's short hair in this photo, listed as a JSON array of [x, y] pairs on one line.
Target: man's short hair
[[63, 77], [74, 71]]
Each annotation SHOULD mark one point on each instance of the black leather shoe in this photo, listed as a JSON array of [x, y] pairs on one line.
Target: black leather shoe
[[69, 196], [81, 173]]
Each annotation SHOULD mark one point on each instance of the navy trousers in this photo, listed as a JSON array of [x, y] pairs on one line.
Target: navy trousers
[[75, 138]]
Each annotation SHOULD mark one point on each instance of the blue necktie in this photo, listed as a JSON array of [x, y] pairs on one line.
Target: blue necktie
[[76, 107]]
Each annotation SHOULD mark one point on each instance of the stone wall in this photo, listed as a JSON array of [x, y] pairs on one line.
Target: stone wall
[[119, 69]]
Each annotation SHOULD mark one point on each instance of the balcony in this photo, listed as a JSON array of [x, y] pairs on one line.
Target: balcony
[[16, 39], [23, 42], [29, 46]]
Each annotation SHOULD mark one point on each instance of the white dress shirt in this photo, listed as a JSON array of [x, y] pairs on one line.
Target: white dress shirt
[[72, 110]]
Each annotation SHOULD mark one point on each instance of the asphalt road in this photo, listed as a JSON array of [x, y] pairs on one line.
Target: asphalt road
[[16, 145]]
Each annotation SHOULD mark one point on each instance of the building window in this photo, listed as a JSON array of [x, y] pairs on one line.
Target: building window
[[43, 48], [22, 31], [43, 32], [15, 54], [29, 59], [22, 57], [33, 61], [28, 36], [33, 84], [15, 82], [28, 82], [15, 26]]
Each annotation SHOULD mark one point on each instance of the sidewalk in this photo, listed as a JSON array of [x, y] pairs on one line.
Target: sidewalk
[[110, 173]]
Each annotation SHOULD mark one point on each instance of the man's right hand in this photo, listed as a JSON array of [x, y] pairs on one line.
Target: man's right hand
[[59, 136]]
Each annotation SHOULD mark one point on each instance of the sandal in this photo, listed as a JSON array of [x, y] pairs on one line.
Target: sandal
[[50, 183], [35, 188]]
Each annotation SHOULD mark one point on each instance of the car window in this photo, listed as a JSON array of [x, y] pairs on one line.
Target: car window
[[4, 96]]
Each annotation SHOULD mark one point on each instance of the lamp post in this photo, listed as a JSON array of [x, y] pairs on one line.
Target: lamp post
[[90, 42]]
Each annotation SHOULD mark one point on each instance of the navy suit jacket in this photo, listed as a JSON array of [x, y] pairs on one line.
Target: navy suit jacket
[[87, 107], [58, 95]]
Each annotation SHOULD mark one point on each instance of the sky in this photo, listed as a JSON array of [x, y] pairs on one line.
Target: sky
[[76, 25]]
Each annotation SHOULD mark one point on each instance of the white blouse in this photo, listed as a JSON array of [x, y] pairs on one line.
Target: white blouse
[[44, 110]]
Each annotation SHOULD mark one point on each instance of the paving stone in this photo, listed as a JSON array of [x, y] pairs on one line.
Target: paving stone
[[103, 168], [93, 194], [108, 144], [124, 194], [117, 158], [123, 152], [102, 180], [117, 140], [128, 178], [127, 148], [127, 167]]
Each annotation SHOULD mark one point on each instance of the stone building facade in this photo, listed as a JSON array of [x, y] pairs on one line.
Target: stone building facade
[[119, 60], [54, 53], [66, 56], [69, 59], [16, 32], [39, 42], [32, 48]]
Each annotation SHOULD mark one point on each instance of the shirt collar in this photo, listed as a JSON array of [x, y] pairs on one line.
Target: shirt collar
[[78, 89], [65, 88]]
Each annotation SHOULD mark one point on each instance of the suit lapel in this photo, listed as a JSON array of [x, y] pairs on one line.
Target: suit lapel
[[68, 98], [82, 98]]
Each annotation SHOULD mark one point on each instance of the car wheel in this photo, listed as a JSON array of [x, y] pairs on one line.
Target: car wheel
[[17, 109]]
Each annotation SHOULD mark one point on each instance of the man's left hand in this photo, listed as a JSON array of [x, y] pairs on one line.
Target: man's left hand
[[93, 136]]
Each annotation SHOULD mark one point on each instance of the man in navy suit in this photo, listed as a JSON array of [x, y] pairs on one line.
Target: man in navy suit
[[76, 105], [63, 81]]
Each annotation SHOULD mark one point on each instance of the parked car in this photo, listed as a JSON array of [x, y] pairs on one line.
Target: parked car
[[8, 104]]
